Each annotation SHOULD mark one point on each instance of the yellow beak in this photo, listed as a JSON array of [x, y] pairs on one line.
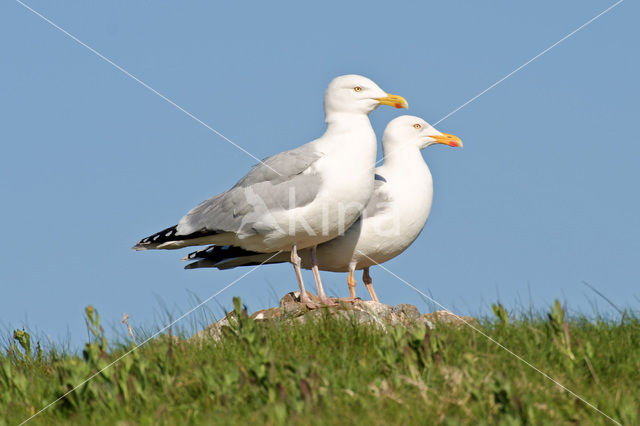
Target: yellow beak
[[394, 101], [448, 139]]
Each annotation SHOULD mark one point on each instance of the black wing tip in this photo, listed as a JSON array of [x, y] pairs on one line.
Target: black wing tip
[[191, 256], [215, 254], [170, 235], [152, 241]]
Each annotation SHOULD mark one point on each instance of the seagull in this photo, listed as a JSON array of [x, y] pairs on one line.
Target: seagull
[[394, 217], [299, 198]]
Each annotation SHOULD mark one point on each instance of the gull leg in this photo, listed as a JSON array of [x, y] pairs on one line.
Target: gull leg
[[366, 278], [316, 276], [296, 261], [351, 281]]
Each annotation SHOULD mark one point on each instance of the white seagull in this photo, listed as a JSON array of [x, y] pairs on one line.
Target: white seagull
[[299, 198], [392, 220]]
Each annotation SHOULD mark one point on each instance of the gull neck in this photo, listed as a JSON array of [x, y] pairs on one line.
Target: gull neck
[[337, 121]]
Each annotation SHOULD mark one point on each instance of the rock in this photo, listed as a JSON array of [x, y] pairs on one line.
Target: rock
[[267, 314], [374, 308], [411, 312], [363, 311], [214, 330], [448, 318], [290, 300], [290, 303]]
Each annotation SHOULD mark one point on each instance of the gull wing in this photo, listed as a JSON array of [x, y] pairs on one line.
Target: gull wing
[[266, 188]]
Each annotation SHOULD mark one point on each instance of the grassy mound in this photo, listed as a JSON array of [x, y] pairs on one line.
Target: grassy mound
[[337, 371]]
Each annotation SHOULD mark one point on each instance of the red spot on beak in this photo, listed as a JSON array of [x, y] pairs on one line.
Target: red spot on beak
[[397, 105]]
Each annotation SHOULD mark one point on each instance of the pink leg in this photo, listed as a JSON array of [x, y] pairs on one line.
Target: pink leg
[[316, 276], [351, 281], [296, 261]]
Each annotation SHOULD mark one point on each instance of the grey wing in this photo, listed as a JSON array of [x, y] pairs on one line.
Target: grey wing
[[380, 200], [281, 167], [245, 208]]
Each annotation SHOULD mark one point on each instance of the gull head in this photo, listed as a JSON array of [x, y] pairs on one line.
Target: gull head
[[357, 94], [408, 130]]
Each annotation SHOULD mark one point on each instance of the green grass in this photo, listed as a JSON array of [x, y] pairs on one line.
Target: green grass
[[338, 372]]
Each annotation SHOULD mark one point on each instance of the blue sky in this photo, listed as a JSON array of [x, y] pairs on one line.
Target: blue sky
[[543, 196]]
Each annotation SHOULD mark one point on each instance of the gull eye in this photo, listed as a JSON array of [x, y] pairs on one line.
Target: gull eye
[[357, 89], [417, 126]]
